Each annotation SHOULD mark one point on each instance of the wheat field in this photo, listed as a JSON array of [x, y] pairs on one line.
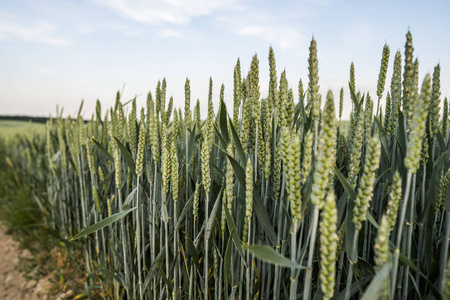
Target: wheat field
[[272, 198]]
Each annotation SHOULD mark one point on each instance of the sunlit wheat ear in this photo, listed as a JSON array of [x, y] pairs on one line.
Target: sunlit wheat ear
[[254, 86], [140, 152], [163, 101], [435, 101], [227, 201], [154, 139], [383, 70], [196, 200], [445, 118], [268, 161], [355, 157], [324, 162], [418, 127], [313, 87], [165, 161], [246, 115], [229, 180], [187, 103], [307, 155], [116, 157], [328, 246], [237, 93], [285, 144], [293, 178], [273, 80], [150, 110], [341, 102], [169, 110], [174, 172], [352, 76], [198, 120], [381, 249], [248, 199], [396, 91], [368, 113], [206, 176], [408, 75], [381, 246], [207, 144], [175, 126], [442, 189], [365, 190], [132, 127], [394, 200], [282, 100]]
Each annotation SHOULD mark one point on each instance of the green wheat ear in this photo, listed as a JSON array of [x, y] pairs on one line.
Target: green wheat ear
[[435, 100], [367, 180], [324, 157], [352, 76], [174, 172], [408, 77], [248, 199], [140, 152], [445, 118], [307, 155], [273, 80], [356, 145], [418, 127], [294, 178], [328, 246], [383, 70], [396, 91], [313, 87], [229, 181], [132, 128], [237, 93], [395, 199], [198, 120], [381, 249], [387, 114], [196, 201], [187, 103]]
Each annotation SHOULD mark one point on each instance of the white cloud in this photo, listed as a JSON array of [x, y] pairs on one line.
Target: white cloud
[[177, 12], [283, 37], [43, 33]]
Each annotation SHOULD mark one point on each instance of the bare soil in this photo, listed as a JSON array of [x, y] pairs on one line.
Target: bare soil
[[14, 283]]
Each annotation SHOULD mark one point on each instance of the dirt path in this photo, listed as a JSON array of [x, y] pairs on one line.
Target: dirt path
[[13, 284]]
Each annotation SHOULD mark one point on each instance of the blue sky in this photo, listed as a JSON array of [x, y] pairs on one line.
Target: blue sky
[[60, 52]]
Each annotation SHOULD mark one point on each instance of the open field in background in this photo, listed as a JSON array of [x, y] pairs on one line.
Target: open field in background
[[266, 199], [9, 129]]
